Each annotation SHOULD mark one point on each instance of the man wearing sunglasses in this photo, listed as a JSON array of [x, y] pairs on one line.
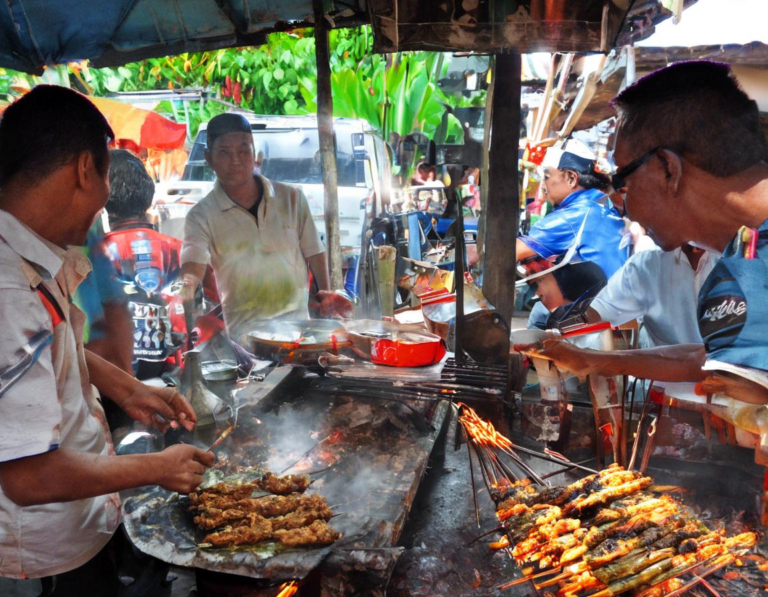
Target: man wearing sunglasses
[[692, 162]]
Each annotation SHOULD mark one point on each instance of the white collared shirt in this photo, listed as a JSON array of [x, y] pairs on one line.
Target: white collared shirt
[[52, 406], [662, 288], [261, 269]]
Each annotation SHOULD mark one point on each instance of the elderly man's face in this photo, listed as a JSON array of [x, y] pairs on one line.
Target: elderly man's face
[[557, 184], [232, 158], [647, 197]]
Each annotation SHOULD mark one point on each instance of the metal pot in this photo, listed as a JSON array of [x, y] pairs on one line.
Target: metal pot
[[297, 341]]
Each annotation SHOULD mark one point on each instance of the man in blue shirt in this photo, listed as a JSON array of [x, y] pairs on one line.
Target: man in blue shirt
[[691, 158], [583, 216]]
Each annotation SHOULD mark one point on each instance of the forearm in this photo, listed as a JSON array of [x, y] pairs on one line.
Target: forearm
[[109, 380], [319, 266], [523, 251], [192, 274], [63, 476], [120, 333], [668, 363]]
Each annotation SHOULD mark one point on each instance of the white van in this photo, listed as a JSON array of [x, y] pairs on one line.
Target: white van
[[290, 150]]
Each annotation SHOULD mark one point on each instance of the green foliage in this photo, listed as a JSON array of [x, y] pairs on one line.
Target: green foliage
[[193, 114], [476, 100], [396, 93]]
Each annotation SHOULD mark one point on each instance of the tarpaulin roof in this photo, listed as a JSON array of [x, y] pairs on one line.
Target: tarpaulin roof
[[34, 33]]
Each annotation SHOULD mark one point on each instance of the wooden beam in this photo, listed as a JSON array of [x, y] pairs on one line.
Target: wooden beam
[[485, 164], [327, 146], [503, 208]]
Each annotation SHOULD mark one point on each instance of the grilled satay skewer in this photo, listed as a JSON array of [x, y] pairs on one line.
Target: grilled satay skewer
[[268, 507], [682, 562]]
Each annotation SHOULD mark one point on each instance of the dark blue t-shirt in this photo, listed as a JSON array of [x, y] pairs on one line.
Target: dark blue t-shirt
[[733, 306]]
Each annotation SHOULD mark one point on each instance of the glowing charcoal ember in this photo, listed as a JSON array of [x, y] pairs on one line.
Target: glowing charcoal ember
[[288, 589]]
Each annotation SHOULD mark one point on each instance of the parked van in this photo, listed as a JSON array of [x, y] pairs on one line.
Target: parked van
[[289, 150]]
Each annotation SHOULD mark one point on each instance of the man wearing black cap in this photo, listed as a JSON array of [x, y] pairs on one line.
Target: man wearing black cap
[[258, 235]]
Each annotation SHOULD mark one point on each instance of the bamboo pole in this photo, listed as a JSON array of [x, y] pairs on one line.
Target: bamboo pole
[[327, 146]]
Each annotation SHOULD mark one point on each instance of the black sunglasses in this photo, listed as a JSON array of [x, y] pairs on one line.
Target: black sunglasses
[[619, 179]]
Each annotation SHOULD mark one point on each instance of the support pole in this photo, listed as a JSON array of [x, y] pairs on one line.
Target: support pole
[[503, 208], [327, 146]]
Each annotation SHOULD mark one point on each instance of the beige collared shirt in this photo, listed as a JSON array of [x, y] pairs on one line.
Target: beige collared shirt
[[52, 406], [261, 269]]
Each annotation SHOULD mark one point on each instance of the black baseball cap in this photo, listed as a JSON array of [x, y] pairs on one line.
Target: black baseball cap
[[223, 124]]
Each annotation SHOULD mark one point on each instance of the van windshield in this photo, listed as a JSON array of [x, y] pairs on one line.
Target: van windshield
[[288, 155]]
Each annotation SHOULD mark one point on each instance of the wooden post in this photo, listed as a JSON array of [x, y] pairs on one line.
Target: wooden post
[[327, 146], [485, 164], [503, 208]]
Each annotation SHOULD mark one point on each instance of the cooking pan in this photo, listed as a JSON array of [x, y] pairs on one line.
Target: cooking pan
[[297, 342]]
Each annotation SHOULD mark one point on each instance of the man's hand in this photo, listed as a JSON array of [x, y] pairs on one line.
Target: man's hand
[[734, 386], [159, 407], [333, 305], [567, 356], [189, 284], [183, 467]]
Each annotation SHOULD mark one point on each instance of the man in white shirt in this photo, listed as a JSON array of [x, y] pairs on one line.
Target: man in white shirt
[[257, 234], [659, 288], [59, 476]]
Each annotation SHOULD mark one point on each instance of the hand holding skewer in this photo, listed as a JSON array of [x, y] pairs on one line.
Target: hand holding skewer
[[182, 467]]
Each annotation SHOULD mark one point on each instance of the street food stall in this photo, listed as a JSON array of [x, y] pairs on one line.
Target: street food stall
[[321, 482]]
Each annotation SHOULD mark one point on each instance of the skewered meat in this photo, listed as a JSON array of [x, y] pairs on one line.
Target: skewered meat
[[606, 495], [237, 491], [270, 506], [302, 517], [318, 533], [284, 485], [258, 529], [635, 581], [631, 564], [630, 506], [629, 527], [614, 548], [286, 515], [212, 518]]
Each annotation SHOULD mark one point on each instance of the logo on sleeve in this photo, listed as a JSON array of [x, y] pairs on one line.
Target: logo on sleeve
[[722, 316]]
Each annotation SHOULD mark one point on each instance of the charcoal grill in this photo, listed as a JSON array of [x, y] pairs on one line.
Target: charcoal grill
[[370, 475]]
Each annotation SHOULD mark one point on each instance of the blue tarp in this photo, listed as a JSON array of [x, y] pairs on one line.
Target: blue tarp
[[34, 33]]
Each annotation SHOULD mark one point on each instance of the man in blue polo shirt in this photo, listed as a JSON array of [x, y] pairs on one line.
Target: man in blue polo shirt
[[583, 214], [583, 217], [691, 157]]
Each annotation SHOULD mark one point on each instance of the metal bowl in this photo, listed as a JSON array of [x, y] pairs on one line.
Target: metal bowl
[[225, 370]]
